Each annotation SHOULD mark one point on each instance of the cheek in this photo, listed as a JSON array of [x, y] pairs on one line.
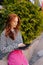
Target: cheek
[[13, 23], [16, 22]]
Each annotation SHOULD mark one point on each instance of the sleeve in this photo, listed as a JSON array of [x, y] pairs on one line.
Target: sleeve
[[20, 40], [2, 42], [3, 47]]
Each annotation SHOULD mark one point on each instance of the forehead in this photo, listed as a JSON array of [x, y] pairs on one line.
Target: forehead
[[16, 19]]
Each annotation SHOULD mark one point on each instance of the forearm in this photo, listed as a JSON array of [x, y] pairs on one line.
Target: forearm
[[8, 48]]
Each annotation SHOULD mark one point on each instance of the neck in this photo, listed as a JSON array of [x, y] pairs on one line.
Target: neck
[[12, 29]]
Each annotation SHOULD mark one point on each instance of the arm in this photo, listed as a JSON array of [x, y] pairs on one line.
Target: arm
[[20, 40], [3, 46], [21, 45]]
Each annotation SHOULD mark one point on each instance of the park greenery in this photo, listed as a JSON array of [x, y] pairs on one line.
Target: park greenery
[[30, 15]]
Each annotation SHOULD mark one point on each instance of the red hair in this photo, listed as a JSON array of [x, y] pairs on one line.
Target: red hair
[[8, 32]]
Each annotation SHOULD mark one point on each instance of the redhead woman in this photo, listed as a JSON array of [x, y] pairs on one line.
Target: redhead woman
[[11, 39]]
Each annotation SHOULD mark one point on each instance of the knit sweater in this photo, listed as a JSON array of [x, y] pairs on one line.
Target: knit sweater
[[7, 44]]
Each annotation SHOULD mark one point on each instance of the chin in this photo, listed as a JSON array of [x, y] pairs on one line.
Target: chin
[[14, 27]]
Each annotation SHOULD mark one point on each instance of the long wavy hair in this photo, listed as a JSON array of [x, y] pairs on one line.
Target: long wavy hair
[[8, 32]]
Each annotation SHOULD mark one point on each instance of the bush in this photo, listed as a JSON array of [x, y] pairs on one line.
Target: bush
[[30, 19]]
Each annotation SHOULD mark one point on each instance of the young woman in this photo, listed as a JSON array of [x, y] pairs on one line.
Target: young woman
[[11, 37]]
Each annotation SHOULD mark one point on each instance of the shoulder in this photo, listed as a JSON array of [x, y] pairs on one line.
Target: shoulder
[[19, 32], [3, 33]]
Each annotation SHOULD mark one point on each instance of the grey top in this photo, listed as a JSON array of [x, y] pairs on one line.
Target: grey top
[[7, 44]]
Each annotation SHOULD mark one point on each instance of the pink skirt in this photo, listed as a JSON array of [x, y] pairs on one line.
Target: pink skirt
[[16, 57]]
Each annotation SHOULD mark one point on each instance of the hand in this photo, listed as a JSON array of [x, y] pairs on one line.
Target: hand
[[21, 45]]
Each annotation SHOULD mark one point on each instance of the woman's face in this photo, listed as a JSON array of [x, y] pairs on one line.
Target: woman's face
[[14, 23]]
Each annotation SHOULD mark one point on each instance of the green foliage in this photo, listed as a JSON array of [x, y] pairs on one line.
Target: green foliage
[[30, 19], [5, 2]]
